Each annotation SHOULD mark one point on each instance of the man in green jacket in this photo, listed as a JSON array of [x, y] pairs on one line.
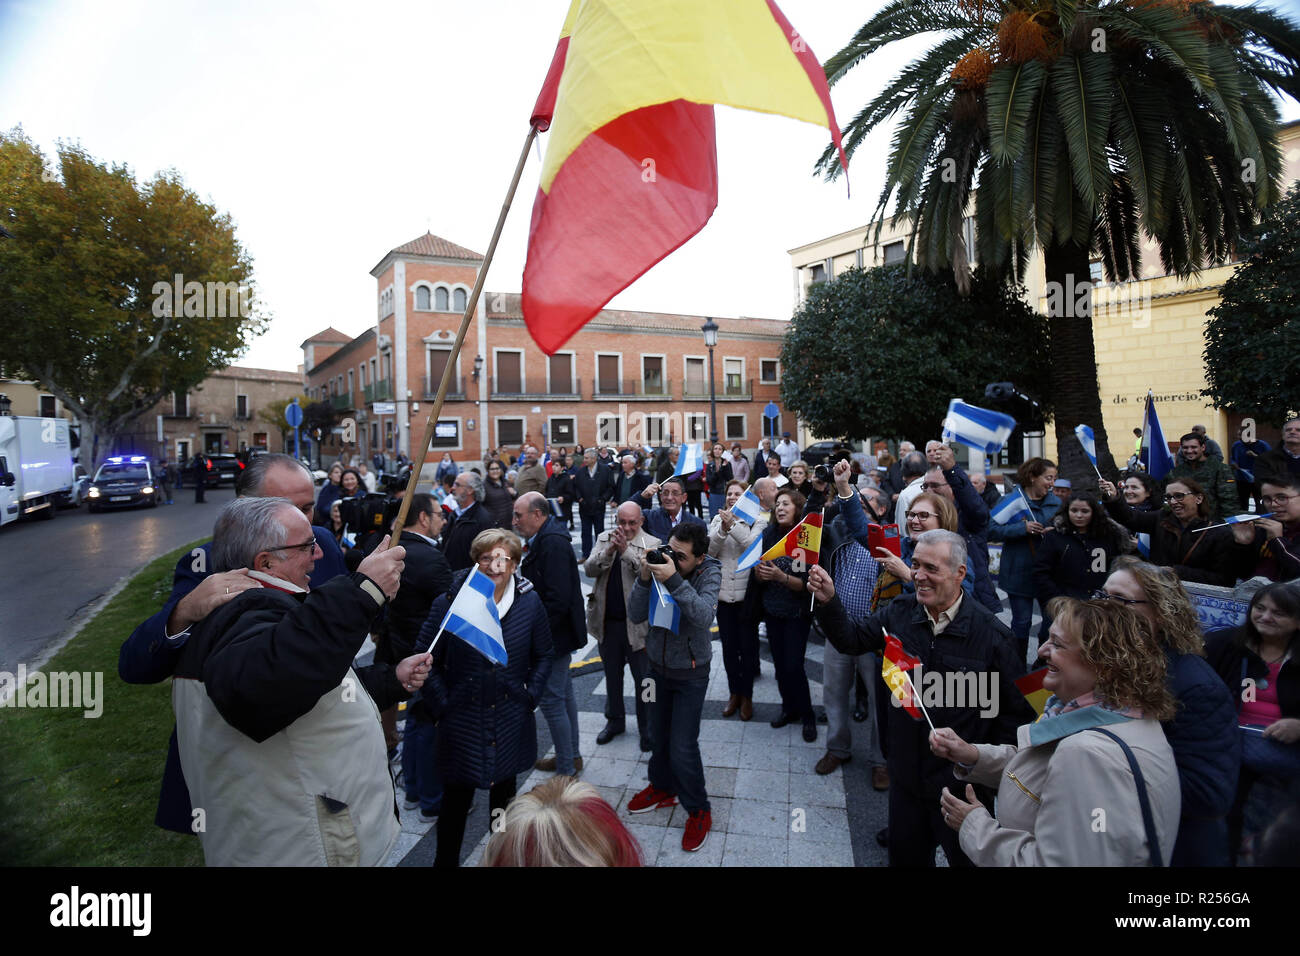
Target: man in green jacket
[[1213, 475]]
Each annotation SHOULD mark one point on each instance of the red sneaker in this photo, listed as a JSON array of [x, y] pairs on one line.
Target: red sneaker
[[651, 798], [698, 825]]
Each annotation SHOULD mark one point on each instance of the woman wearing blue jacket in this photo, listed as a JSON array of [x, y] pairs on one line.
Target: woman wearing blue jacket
[[1020, 540]]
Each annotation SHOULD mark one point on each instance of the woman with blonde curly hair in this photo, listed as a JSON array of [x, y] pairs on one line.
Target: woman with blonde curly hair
[[562, 822], [1093, 781], [1203, 732]]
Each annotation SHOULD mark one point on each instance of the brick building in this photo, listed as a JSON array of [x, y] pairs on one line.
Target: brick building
[[626, 378]]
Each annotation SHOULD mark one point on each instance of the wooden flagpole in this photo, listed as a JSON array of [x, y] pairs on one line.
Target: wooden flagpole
[[417, 463]]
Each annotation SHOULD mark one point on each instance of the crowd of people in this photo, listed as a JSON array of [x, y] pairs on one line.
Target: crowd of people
[[1165, 731]]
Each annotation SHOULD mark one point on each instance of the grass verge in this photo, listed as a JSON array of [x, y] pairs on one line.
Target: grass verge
[[82, 792]]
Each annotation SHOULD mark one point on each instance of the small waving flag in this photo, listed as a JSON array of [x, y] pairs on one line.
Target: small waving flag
[[473, 617], [690, 459], [805, 537], [1012, 507], [985, 431], [1089, 442], [892, 666], [748, 508], [1154, 453], [664, 611], [1144, 545], [1031, 685], [751, 556]]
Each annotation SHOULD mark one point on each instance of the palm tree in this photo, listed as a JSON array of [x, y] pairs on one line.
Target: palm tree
[[1078, 124]]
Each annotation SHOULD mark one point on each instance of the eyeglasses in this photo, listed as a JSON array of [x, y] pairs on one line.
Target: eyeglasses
[[933, 485], [1176, 496], [1100, 595], [1272, 500], [307, 547], [485, 560], [920, 515]]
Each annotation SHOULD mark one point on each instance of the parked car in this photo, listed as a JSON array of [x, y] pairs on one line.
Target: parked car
[[223, 469], [123, 481], [80, 488], [817, 452]]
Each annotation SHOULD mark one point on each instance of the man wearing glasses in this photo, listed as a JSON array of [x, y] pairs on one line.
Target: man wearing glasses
[[660, 522], [1271, 546], [947, 478]]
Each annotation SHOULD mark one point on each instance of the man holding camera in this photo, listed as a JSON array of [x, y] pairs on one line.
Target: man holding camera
[[679, 668]]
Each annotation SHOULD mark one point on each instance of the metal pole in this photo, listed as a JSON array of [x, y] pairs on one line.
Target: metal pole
[[713, 400]]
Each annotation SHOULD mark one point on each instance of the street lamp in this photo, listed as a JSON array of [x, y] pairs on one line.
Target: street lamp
[[478, 366], [5, 405], [710, 330]]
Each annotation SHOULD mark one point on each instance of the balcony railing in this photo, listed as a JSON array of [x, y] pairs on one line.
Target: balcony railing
[[376, 392], [635, 389], [430, 385], [342, 401], [740, 391], [536, 389]]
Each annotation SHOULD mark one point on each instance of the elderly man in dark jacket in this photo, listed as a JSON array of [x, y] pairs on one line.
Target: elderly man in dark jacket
[[469, 492], [549, 563], [972, 516], [964, 652], [281, 749], [594, 486]]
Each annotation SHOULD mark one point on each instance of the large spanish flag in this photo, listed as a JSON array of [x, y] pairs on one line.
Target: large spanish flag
[[631, 169]]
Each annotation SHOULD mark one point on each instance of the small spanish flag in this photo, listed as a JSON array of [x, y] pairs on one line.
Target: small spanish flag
[[805, 537], [1031, 685], [895, 661]]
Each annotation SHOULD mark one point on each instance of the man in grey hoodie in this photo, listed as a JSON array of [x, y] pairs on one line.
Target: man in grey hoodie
[[679, 672]]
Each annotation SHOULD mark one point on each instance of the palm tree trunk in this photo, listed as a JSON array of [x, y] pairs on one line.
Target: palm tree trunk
[[1075, 395]]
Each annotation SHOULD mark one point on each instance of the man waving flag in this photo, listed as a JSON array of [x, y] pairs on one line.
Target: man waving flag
[[631, 169]]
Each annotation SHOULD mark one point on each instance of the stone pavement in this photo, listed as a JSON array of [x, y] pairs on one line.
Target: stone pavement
[[769, 807]]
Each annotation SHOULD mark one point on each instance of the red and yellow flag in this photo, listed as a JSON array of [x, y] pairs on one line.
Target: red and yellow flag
[[631, 169], [1031, 685], [805, 537], [892, 664]]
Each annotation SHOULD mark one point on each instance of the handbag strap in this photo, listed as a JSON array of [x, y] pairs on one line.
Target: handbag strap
[[1147, 820]]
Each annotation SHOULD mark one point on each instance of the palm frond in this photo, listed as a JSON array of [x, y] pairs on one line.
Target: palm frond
[[1083, 95], [898, 20], [1012, 91], [1139, 130]]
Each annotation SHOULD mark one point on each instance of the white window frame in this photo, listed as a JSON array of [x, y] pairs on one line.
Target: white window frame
[[248, 409], [761, 379], [573, 379], [451, 299], [665, 424], [460, 433], [622, 428], [441, 286], [523, 371], [415, 293], [663, 367], [496, 429], [703, 418], [733, 358], [455, 388], [550, 428], [41, 401], [686, 360], [744, 427], [595, 386]]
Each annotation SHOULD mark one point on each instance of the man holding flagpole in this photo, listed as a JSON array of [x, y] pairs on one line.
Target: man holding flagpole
[[680, 606]]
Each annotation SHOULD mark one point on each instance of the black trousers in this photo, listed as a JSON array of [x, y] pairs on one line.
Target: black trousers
[[456, 800], [615, 654], [739, 648], [916, 828]]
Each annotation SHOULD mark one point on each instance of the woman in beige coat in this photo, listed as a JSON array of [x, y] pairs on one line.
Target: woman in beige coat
[[729, 537], [1068, 794]]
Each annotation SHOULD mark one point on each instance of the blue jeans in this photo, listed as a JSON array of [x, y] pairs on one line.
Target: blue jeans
[[675, 763], [560, 708], [420, 765], [592, 526], [717, 504], [1022, 614]]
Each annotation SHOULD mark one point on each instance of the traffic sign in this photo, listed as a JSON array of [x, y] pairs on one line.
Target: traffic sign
[[770, 410], [293, 414]]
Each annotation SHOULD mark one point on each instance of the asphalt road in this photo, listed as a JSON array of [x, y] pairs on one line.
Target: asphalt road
[[51, 570]]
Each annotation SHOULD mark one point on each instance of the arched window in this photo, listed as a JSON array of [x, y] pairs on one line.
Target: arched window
[[422, 298], [458, 300], [440, 299]]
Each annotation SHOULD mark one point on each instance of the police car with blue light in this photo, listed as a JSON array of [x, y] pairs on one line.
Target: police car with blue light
[[123, 481]]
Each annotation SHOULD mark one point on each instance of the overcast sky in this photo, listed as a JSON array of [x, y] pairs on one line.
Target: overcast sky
[[334, 131]]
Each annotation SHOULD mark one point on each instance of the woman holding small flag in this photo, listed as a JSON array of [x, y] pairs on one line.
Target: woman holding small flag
[[782, 580], [1091, 783], [729, 538], [1182, 536], [489, 669]]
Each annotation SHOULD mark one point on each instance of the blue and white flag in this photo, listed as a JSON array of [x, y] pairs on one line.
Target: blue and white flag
[[751, 556], [1013, 507], [690, 459], [1088, 441], [555, 507], [748, 509], [664, 611], [473, 617], [349, 539], [1154, 454], [1144, 545], [985, 431]]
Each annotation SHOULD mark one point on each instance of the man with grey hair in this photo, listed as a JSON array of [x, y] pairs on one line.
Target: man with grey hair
[[469, 492], [279, 748], [957, 643], [150, 654], [531, 475]]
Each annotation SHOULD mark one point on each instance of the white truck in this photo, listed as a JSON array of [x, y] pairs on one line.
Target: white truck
[[36, 470]]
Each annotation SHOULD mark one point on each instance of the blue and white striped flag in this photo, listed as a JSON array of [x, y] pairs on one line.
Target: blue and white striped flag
[[748, 509], [1154, 454], [664, 611], [349, 539], [555, 507], [690, 459], [977, 428], [473, 617], [1012, 507], [751, 556], [1144, 545], [1088, 441]]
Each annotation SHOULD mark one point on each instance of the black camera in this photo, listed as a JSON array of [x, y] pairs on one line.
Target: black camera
[[823, 473], [662, 555]]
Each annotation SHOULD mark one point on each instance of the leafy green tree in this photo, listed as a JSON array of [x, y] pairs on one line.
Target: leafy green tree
[[1075, 126], [273, 414], [88, 281], [1252, 341], [881, 352]]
